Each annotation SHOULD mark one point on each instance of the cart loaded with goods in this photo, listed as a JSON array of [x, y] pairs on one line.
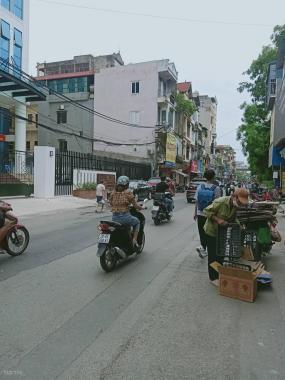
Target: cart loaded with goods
[[240, 248]]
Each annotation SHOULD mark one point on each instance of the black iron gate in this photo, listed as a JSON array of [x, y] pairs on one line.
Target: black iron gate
[[16, 173], [66, 162]]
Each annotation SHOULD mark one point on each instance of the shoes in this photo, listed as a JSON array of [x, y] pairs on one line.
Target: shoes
[[202, 252], [215, 282]]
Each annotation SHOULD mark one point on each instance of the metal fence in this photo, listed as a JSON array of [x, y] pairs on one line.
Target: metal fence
[[66, 162], [16, 173]]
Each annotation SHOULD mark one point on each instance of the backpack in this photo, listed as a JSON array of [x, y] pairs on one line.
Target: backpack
[[206, 195]]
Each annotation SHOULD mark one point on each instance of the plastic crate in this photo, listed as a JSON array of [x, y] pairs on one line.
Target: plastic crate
[[249, 239], [229, 241]]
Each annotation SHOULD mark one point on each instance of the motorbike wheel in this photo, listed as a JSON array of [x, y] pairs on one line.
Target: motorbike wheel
[[141, 246], [156, 221], [108, 260], [17, 241]]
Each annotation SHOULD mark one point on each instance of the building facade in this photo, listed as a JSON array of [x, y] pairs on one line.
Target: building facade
[[225, 162], [142, 95], [75, 80], [276, 104], [16, 87], [208, 119]]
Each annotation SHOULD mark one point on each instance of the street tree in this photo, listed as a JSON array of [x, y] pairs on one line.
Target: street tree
[[254, 132]]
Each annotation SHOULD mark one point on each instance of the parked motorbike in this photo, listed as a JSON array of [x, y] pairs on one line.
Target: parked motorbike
[[180, 188], [14, 238], [159, 211], [115, 242]]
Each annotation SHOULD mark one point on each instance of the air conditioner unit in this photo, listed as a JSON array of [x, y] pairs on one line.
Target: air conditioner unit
[[61, 107]]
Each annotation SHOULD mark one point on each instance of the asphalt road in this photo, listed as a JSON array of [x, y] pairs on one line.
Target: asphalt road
[[55, 235], [155, 317]]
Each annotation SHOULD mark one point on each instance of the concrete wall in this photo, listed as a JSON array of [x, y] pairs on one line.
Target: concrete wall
[[21, 25], [77, 120], [113, 96]]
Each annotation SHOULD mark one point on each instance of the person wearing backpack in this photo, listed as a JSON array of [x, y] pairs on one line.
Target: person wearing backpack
[[206, 193]]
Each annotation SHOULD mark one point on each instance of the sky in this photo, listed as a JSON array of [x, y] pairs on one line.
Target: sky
[[211, 42]]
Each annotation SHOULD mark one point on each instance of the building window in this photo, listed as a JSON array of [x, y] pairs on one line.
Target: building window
[[6, 4], [135, 117], [18, 43], [28, 146], [18, 8], [135, 87], [30, 117], [61, 117], [71, 85], [59, 86], [62, 145], [5, 41], [37, 119], [36, 143], [79, 67], [80, 84]]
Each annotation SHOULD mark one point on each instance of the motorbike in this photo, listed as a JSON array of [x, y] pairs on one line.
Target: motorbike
[[14, 238], [115, 243], [180, 188], [159, 211]]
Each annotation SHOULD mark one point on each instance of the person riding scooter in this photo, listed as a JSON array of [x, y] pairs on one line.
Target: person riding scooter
[[120, 200], [163, 187]]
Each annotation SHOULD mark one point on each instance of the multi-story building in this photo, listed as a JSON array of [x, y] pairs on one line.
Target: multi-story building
[[143, 95], [276, 103], [75, 80], [16, 87], [225, 162], [208, 119]]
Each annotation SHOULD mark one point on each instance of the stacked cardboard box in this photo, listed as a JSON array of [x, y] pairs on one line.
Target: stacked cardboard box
[[239, 280]]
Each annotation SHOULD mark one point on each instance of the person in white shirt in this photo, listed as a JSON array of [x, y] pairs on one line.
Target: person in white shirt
[[100, 195]]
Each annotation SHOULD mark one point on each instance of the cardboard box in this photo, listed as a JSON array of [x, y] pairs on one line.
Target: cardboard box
[[239, 283]]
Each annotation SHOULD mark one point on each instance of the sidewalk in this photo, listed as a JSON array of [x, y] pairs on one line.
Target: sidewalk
[[31, 206]]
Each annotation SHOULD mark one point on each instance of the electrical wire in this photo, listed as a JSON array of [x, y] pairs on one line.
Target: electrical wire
[[148, 15], [16, 116], [39, 84], [67, 126]]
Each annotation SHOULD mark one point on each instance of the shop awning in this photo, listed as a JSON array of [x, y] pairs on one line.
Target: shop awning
[[180, 173], [17, 84]]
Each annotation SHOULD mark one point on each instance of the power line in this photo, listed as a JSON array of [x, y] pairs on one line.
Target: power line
[[67, 126], [167, 18], [74, 134], [38, 84]]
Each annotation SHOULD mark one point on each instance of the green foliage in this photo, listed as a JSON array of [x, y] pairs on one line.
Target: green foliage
[[254, 133], [184, 105], [87, 186], [268, 184]]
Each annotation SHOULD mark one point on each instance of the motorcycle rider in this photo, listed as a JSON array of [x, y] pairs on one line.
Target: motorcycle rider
[[163, 187], [120, 200]]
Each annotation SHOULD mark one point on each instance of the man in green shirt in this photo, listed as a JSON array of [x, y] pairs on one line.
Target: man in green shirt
[[221, 212]]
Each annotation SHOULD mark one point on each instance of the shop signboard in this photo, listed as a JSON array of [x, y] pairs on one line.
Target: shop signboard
[[171, 150], [194, 166]]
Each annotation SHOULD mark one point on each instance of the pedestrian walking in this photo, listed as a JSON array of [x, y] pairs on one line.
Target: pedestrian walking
[[221, 212], [100, 195], [205, 195]]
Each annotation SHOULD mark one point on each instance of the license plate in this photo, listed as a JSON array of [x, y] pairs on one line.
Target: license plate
[[104, 238], [155, 208]]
